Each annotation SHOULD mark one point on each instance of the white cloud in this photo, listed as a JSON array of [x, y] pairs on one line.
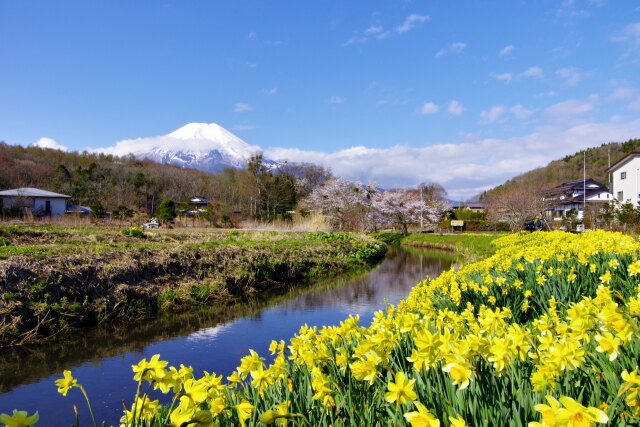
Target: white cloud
[[520, 112], [373, 30], [507, 77], [634, 105], [455, 108], [45, 142], [272, 91], [456, 48], [410, 22], [630, 34], [570, 75], [466, 168], [507, 50], [242, 107], [569, 109], [429, 108], [336, 100], [378, 32], [622, 93], [534, 72], [493, 114], [548, 94]]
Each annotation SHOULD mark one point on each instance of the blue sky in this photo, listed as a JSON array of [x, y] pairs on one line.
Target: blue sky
[[466, 93]]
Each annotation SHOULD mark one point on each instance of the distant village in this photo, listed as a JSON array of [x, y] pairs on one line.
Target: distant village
[[575, 205]]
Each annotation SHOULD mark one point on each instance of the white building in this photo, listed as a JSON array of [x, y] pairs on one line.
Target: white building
[[34, 201], [625, 174]]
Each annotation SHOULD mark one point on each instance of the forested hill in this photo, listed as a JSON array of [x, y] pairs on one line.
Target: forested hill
[[569, 168], [112, 181]]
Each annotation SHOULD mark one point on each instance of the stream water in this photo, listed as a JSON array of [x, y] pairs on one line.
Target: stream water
[[212, 339]]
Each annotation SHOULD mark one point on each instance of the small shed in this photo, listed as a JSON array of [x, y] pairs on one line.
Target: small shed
[[34, 201]]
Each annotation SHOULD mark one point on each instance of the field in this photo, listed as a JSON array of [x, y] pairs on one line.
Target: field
[[57, 278]]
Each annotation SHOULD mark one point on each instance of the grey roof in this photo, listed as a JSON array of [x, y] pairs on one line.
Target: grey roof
[[32, 192], [78, 209]]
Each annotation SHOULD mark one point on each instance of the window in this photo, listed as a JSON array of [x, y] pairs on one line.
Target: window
[[623, 175], [620, 196]]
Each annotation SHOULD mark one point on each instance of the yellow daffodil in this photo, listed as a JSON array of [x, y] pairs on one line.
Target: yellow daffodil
[[66, 383], [151, 370], [422, 417], [19, 419], [400, 391]]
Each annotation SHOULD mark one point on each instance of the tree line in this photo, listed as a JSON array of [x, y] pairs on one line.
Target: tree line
[[262, 191]]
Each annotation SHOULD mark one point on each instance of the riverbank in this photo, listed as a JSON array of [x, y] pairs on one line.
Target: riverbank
[[466, 248], [53, 279]]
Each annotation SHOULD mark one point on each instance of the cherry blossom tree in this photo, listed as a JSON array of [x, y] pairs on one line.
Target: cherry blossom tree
[[345, 204], [404, 207]]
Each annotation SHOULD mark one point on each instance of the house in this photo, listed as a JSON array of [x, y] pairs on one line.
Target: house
[[34, 201], [575, 195], [478, 207], [198, 202], [626, 178]]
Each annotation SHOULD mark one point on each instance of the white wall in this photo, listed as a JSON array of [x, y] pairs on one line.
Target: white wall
[[630, 186], [58, 205]]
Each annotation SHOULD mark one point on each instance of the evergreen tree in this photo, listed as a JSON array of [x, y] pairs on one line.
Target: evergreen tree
[[166, 211]]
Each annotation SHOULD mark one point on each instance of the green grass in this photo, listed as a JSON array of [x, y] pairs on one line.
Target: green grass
[[468, 247]]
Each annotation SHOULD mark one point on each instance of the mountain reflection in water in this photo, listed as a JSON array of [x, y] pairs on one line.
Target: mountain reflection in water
[[212, 338]]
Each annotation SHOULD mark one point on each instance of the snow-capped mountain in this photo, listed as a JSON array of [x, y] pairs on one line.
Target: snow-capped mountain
[[204, 146]]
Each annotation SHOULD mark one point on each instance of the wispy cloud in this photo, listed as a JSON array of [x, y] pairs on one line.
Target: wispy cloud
[[630, 35], [507, 50], [272, 91], [534, 72], [492, 115], [622, 93], [454, 48], [569, 109], [506, 77], [570, 75], [45, 142], [336, 100], [242, 107], [520, 112], [455, 108], [410, 22], [429, 108], [377, 32]]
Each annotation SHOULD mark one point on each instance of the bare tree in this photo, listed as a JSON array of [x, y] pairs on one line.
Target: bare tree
[[515, 206]]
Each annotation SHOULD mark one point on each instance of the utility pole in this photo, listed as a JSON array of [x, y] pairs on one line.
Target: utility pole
[[421, 209], [584, 188]]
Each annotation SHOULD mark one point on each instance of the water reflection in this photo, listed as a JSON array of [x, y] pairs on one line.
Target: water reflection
[[213, 338]]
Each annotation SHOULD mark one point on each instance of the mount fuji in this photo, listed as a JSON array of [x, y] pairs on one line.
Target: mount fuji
[[204, 146]]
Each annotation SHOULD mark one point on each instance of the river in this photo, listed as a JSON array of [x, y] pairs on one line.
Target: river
[[212, 339]]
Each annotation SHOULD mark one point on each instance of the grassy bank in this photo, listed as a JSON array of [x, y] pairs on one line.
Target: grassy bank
[[54, 278], [466, 247]]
